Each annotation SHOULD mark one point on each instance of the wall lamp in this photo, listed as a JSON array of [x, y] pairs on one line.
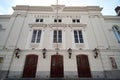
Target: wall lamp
[[96, 52], [17, 52], [44, 52], [70, 52]]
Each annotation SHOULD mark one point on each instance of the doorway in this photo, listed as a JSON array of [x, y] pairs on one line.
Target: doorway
[[57, 66], [30, 66], [83, 66]]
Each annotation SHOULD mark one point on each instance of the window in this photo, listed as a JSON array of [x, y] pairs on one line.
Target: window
[[57, 36], [39, 20], [116, 30], [36, 36], [113, 62], [76, 20], [78, 36], [1, 59], [58, 20]]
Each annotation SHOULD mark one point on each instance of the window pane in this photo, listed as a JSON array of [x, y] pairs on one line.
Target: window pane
[[78, 20], [41, 20], [116, 32], [55, 36], [55, 20], [60, 40], [34, 36], [59, 20], [80, 37], [38, 36], [37, 20], [60, 36], [81, 40], [75, 36], [73, 20]]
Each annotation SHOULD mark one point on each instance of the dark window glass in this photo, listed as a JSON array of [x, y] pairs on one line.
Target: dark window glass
[[57, 36], [55, 20], [59, 20], [41, 20], [78, 36], [60, 36], [37, 20], [38, 36], [73, 20], [34, 36], [116, 30], [75, 36], [78, 20]]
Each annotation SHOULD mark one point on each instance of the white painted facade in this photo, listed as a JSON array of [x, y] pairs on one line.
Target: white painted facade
[[17, 29]]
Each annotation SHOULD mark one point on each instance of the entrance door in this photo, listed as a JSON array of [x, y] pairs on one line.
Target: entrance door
[[83, 66], [30, 66], [57, 66]]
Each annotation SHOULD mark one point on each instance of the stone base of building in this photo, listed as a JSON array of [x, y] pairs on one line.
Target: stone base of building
[[67, 75]]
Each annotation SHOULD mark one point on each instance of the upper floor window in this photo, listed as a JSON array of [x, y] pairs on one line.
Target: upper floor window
[[76, 20], [39, 20], [58, 20], [36, 36], [78, 37], [116, 30], [57, 36]]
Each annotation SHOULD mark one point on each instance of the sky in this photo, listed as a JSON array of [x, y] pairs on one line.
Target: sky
[[107, 5]]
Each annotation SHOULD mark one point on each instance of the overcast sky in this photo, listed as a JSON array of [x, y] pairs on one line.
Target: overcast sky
[[108, 5]]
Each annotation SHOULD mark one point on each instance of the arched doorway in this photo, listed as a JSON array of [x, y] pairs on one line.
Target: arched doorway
[[30, 66], [56, 66], [83, 66]]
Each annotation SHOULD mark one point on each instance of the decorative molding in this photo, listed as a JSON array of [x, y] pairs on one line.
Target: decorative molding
[[57, 25], [38, 25], [77, 25]]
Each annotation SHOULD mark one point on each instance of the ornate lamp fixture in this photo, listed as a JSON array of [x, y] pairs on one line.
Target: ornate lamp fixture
[[70, 52], [96, 52], [44, 52], [17, 52]]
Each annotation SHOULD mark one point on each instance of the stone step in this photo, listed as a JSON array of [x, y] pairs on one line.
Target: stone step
[[56, 79]]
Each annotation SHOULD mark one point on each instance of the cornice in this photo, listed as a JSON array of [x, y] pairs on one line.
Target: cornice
[[111, 17], [53, 8], [87, 8]]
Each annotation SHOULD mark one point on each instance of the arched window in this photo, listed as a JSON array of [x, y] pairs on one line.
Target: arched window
[[116, 30]]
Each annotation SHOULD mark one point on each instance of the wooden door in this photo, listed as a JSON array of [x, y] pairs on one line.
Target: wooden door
[[83, 66], [30, 66], [57, 66]]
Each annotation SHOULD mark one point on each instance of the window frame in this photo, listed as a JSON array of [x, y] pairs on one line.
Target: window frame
[[76, 20], [58, 20], [116, 30], [57, 36], [36, 38], [39, 20], [78, 36]]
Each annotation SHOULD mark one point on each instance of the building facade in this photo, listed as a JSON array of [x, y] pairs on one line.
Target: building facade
[[78, 42]]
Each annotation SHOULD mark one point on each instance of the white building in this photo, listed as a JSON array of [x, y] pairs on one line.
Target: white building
[[93, 41]]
